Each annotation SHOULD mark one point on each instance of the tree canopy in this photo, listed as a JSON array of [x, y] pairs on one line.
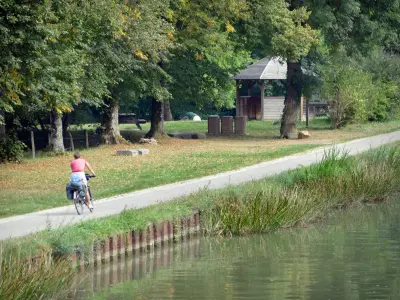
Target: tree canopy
[[59, 55]]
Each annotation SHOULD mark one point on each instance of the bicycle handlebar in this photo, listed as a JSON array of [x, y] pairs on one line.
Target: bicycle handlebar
[[88, 176]]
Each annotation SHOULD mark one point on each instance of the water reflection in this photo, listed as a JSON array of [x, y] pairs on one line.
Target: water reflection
[[354, 256]]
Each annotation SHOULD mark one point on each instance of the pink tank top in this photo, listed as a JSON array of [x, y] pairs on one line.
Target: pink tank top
[[78, 165]]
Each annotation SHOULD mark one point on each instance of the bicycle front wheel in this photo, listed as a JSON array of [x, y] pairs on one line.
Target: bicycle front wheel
[[78, 204]]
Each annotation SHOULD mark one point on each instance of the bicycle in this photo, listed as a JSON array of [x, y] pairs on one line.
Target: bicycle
[[80, 201]]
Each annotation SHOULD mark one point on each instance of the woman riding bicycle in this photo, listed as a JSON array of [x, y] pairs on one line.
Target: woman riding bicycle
[[78, 166]]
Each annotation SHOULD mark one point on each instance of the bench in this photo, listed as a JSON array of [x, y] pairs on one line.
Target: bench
[[130, 119]]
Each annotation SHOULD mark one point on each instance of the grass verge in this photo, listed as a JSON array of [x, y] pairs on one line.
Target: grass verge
[[293, 198], [39, 184], [299, 196]]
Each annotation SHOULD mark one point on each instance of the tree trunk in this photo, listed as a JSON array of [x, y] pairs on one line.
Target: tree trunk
[[2, 126], [110, 124], [336, 114], [157, 126], [56, 142], [65, 122], [292, 100], [167, 111]]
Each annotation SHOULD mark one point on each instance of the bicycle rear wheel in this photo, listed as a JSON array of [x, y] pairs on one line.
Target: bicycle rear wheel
[[78, 204]]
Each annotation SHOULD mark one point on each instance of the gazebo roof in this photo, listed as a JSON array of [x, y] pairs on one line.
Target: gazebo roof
[[268, 68]]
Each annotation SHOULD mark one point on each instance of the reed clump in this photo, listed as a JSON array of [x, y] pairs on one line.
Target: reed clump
[[36, 278], [306, 194]]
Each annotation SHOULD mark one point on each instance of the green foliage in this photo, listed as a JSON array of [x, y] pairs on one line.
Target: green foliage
[[25, 279], [11, 149], [205, 55], [336, 20], [353, 94], [386, 71], [58, 55], [17, 23], [279, 29], [293, 37], [364, 32]]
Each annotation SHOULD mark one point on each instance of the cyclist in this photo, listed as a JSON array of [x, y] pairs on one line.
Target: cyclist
[[78, 166]]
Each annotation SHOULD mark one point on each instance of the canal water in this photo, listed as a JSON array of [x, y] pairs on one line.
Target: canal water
[[351, 255]]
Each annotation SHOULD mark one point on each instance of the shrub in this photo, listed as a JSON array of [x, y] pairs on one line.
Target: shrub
[[11, 149]]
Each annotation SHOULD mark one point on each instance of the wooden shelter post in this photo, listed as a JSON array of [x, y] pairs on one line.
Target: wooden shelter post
[[250, 84], [237, 98], [262, 89]]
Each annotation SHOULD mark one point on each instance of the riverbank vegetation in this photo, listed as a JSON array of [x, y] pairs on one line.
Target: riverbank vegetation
[[24, 279], [291, 199], [305, 195], [294, 198]]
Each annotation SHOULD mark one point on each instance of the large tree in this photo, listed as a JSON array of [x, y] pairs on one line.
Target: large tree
[[279, 28], [126, 58], [203, 57]]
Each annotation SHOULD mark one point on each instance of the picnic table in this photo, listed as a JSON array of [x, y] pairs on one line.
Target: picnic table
[[130, 118]]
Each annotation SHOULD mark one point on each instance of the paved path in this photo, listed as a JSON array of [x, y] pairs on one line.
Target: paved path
[[28, 223]]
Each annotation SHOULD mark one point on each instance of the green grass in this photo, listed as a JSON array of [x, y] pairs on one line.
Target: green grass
[[286, 200], [257, 128], [21, 279], [43, 187], [39, 184], [293, 198]]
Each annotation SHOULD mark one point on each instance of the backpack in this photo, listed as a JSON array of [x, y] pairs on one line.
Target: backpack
[[69, 191], [78, 185]]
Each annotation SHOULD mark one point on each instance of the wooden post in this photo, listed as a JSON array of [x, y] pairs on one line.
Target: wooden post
[[307, 108], [71, 140], [237, 98], [250, 85], [87, 139], [301, 108], [33, 145], [262, 89]]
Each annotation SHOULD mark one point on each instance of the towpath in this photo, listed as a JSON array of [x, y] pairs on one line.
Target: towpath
[[24, 224]]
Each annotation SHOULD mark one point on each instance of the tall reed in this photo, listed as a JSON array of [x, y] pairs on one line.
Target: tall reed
[[305, 194], [34, 279]]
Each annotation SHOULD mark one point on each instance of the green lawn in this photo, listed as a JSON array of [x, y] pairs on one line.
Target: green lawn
[[281, 201], [39, 184], [254, 128]]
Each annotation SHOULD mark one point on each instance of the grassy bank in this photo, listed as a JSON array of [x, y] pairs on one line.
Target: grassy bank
[[21, 279], [171, 161], [292, 198]]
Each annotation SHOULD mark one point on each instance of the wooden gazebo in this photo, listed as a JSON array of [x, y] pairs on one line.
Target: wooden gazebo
[[260, 107]]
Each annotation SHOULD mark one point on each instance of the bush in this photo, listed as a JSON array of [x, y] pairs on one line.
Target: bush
[[355, 95], [11, 149]]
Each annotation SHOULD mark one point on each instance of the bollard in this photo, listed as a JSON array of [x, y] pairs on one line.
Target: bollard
[[240, 125], [227, 125], [214, 125]]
